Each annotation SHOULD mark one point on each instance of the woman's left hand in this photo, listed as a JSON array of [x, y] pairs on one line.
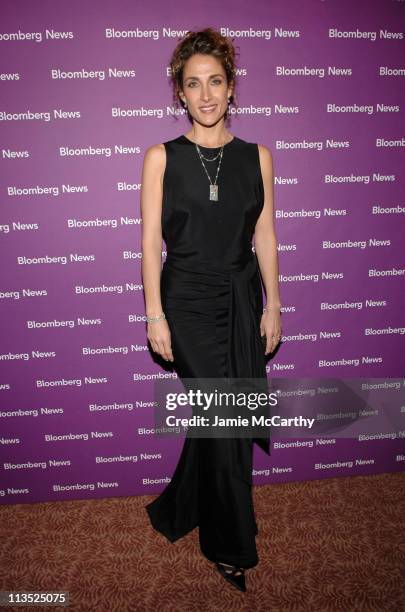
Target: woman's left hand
[[270, 325]]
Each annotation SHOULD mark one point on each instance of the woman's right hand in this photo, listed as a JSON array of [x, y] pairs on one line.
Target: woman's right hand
[[160, 338]]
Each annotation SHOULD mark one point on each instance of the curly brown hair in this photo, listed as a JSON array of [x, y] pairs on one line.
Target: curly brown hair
[[209, 42]]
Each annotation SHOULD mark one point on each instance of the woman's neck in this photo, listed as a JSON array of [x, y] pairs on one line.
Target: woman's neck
[[207, 139]]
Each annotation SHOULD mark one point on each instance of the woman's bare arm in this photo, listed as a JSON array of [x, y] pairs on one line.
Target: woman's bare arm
[[151, 211], [267, 254], [265, 234]]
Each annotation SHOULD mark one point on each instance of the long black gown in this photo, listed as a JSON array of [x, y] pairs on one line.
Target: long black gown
[[212, 296]]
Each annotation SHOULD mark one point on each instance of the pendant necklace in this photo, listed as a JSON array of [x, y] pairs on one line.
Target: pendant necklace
[[213, 186]]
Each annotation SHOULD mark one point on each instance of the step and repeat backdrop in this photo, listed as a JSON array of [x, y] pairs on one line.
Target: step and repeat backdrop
[[85, 89]]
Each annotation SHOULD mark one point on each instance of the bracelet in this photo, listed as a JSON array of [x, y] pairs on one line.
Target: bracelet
[[154, 319]]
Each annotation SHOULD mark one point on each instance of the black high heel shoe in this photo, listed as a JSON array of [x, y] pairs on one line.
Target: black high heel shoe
[[234, 575]]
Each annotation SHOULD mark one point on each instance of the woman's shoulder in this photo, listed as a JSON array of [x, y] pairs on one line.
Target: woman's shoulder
[[163, 147], [155, 149], [264, 151], [155, 157], [266, 161]]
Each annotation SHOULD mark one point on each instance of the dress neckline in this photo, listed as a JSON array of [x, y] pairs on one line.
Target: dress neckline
[[207, 148]]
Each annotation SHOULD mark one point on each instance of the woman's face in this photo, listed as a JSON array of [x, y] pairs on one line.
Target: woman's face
[[205, 88]]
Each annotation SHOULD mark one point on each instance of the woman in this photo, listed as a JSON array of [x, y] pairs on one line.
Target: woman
[[206, 193]]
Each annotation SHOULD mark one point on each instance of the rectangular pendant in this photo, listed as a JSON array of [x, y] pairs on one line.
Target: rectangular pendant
[[214, 192]]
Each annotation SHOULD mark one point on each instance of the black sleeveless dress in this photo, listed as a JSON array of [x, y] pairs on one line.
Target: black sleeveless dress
[[211, 294]]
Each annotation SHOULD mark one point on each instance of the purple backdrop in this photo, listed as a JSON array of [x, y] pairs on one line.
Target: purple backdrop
[[85, 90]]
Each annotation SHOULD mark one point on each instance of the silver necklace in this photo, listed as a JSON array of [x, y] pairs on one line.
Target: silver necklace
[[213, 186], [211, 158]]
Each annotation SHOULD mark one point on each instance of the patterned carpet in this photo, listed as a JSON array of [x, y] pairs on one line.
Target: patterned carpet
[[335, 545]]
